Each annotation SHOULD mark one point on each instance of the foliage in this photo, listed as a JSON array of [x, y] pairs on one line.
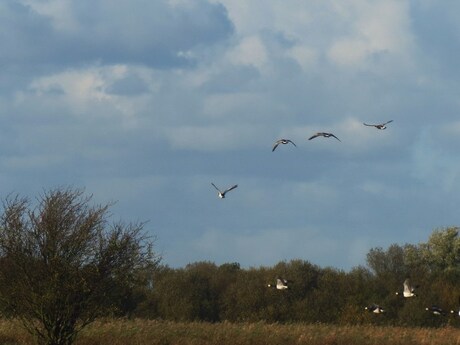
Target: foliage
[[204, 291], [62, 265]]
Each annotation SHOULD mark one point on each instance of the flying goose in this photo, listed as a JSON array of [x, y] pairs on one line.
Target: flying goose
[[379, 126], [374, 308], [222, 194], [409, 290], [282, 141], [281, 284], [435, 310], [323, 134]]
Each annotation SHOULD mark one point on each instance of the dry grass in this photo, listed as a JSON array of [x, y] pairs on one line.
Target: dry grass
[[142, 332]]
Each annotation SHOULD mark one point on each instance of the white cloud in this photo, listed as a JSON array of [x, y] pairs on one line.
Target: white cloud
[[60, 12], [88, 91], [250, 51], [377, 28], [307, 57], [79, 86]]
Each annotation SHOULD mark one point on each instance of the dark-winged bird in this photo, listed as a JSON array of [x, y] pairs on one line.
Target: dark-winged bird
[[323, 134], [435, 310], [375, 308], [284, 142], [220, 193], [379, 126]]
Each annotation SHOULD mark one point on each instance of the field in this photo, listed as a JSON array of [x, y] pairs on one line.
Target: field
[[142, 332]]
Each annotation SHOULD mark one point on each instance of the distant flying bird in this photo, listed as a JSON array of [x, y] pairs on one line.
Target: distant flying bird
[[435, 310], [380, 126], [374, 308], [409, 290], [222, 194], [281, 284], [322, 134], [282, 141]]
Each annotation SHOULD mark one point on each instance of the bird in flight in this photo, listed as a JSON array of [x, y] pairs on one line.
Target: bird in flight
[[322, 134], [281, 284], [436, 310], [284, 142], [379, 126], [222, 194], [374, 308], [409, 290]]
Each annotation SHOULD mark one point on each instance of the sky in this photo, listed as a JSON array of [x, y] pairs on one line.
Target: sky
[[145, 103]]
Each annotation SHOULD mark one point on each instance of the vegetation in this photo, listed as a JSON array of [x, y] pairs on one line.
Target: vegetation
[[62, 265], [145, 332], [203, 291]]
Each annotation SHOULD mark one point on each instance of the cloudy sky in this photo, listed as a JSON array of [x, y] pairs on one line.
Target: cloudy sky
[[147, 102]]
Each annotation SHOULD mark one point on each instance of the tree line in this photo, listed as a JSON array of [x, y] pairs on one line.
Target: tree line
[[205, 291], [63, 265]]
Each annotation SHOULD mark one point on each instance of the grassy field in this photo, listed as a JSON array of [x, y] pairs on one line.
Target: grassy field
[[142, 332]]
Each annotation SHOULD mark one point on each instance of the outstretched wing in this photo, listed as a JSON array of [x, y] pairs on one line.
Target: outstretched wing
[[216, 187], [231, 188], [387, 122], [281, 283], [407, 287], [314, 136], [366, 124], [332, 135], [292, 142], [276, 145]]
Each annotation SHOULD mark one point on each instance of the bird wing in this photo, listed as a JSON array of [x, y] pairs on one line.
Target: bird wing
[[229, 189], [365, 124], [276, 145], [332, 135], [407, 287], [281, 282], [216, 187], [292, 142], [388, 122], [314, 136]]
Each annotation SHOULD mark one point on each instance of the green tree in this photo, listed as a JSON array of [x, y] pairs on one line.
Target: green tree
[[63, 264], [442, 251]]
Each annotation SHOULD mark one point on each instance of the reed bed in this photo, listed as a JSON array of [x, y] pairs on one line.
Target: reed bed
[[145, 332]]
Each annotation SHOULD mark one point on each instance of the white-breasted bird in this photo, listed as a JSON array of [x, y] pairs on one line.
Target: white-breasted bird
[[220, 193], [379, 126], [323, 134], [281, 284], [375, 308], [282, 141], [435, 310], [409, 290]]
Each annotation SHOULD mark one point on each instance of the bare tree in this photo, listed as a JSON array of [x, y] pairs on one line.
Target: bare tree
[[62, 264]]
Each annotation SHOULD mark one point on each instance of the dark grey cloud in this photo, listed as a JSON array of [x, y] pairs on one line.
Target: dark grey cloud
[[152, 33]]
